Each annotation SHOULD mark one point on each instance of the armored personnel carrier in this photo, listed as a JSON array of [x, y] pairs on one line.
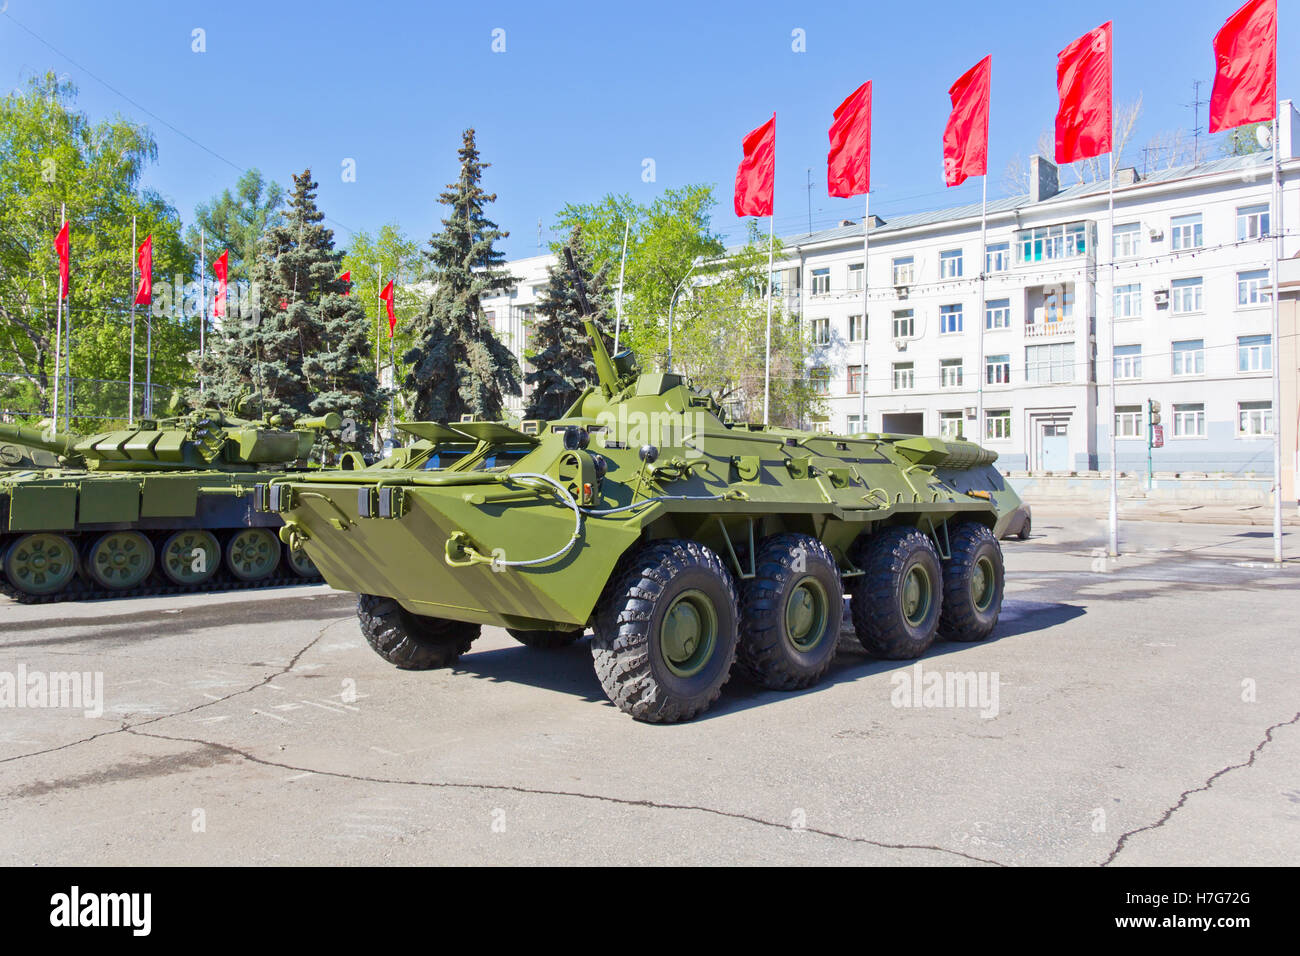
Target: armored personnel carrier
[[164, 507], [688, 545]]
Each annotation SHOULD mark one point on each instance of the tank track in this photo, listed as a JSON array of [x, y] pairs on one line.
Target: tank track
[[79, 589]]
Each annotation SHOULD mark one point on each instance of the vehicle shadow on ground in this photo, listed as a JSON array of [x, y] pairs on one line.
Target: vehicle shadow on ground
[[568, 670]]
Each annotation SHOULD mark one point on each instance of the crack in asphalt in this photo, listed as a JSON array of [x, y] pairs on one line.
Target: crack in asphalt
[[1182, 798], [126, 726], [575, 794]]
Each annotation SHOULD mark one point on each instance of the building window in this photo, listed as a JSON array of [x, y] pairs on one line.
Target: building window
[[1049, 363], [1252, 222], [822, 427], [855, 379], [819, 377], [1189, 357], [997, 257], [997, 314], [1128, 301], [821, 331], [1254, 353], [1252, 288], [854, 425], [821, 281], [904, 324], [950, 264], [904, 376], [857, 328], [997, 424], [1128, 362], [997, 369], [1189, 420], [951, 425], [1187, 295], [1254, 419], [1185, 232], [1128, 421], [1126, 241], [950, 373], [949, 319], [1052, 242], [903, 270], [855, 277]]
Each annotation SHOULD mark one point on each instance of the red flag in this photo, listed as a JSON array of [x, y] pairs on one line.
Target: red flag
[[1245, 56], [144, 258], [63, 248], [848, 164], [347, 277], [966, 137], [756, 172], [387, 297], [284, 304], [1083, 124], [220, 266]]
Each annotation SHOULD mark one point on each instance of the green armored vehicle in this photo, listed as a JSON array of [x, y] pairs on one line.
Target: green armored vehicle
[[687, 544], [164, 507]]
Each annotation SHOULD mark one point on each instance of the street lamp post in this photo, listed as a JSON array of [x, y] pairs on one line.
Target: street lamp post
[[673, 302]]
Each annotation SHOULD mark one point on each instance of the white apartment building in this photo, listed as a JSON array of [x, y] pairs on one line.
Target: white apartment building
[[512, 314], [1190, 254]]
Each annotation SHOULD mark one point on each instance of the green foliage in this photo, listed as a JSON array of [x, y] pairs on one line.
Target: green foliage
[[236, 221], [458, 365], [1242, 141], [51, 154], [301, 344], [560, 351]]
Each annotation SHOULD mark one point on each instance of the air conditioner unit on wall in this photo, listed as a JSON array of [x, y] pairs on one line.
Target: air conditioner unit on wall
[[1162, 297], [900, 344], [970, 412], [900, 291]]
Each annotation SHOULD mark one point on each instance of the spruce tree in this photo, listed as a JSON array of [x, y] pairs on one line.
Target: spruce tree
[[458, 365], [561, 351], [303, 345]]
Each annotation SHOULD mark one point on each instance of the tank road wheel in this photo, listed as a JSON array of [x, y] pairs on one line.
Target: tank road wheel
[[120, 559], [972, 584], [897, 601], [665, 635], [412, 641], [299, 563], [252, 554], [545, 640], [790, 613], [40, 564], [190, 557]]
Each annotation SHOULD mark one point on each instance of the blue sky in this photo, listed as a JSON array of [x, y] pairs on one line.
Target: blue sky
[[576, 102]]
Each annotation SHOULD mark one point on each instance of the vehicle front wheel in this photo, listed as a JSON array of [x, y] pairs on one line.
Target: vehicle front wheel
[[972, 584], [412, 641], [665, 634]]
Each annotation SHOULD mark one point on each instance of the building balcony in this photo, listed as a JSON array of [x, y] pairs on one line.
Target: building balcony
[[1046, 330]]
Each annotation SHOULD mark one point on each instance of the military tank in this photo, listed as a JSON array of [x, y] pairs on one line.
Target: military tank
[[689, 545], [164, 507]]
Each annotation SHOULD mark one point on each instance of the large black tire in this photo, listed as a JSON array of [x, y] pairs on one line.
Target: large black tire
[[412, 641], [796, 586], [898, 562], [656, 673], [545, 640], [972, 584]]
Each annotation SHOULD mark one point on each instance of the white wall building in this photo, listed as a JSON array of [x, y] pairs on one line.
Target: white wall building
[[1193, 319], [512, 314]]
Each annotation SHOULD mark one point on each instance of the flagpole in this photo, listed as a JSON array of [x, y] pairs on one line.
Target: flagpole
[[203, 301], [767, 358], [58, 347], [618, 319], [1275, 227], [67, 365], [130, 388], [148, 358], [981, 317], [379, 323], [862, 367], [1114, 463]]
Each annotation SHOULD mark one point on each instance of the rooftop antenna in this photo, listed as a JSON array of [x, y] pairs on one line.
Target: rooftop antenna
[[1195, 104], [810, 184]]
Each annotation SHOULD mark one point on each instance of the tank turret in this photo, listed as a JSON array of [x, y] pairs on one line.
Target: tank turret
[[206, 439]]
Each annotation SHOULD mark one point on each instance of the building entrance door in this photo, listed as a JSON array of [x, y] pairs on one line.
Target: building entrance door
[[1054, 447]]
